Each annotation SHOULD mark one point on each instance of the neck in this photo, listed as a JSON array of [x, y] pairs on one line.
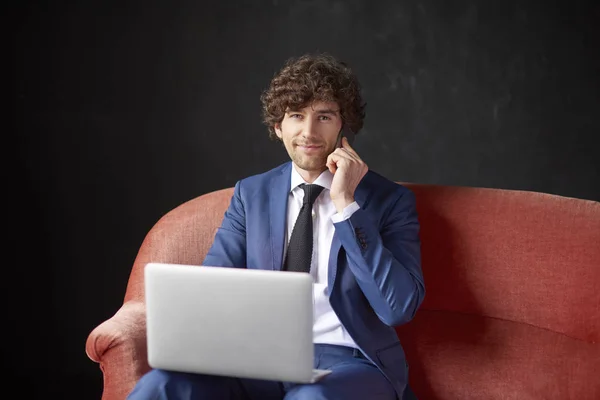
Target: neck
[[309, 176]]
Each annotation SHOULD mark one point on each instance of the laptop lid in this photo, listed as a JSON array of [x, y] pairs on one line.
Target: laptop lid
[[236, 322]]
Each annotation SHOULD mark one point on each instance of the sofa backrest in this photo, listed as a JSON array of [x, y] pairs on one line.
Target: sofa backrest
[[182, 236], [516, 255]]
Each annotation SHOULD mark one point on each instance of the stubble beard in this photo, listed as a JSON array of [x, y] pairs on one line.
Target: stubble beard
[[307, 163]]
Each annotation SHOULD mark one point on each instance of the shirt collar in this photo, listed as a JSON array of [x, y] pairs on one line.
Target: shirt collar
[[324, 179]]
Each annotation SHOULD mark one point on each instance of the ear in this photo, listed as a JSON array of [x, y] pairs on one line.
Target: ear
[[277, 128]]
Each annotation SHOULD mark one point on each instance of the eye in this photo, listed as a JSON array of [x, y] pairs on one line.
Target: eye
[[324, 118], [295, 115]]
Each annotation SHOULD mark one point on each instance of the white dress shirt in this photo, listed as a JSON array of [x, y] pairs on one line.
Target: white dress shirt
[[327, 327]]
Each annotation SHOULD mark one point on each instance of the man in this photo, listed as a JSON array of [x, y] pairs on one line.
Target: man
[[365, 257]]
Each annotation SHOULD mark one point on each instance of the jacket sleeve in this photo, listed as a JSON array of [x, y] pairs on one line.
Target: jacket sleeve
[[386, 260], [229, 246]]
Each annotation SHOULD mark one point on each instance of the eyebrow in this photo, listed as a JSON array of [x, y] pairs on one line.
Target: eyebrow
[[320, 111], [327, 111]]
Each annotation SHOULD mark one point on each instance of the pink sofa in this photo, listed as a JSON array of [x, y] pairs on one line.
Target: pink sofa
[[512, 309]]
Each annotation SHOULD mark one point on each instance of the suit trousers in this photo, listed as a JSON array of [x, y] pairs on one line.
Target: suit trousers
[[353, 377]]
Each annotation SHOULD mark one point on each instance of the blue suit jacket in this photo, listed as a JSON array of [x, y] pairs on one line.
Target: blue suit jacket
[[375, 278]]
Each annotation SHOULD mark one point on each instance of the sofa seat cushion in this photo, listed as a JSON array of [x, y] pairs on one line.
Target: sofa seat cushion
[[462, 356]]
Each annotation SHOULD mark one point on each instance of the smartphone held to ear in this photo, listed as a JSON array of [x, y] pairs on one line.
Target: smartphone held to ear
[[348, 134]]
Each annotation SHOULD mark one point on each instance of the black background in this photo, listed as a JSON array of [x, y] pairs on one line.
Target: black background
[[125, 110]]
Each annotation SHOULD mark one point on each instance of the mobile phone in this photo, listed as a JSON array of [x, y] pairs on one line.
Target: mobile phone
[[347, 133]]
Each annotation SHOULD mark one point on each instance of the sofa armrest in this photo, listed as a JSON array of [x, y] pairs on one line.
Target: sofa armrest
[[119, 346]]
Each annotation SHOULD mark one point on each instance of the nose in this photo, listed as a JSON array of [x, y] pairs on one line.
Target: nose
[[309, 128]]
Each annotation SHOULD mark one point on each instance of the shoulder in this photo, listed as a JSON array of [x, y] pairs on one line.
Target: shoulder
[[254, 184], [265, 178], [385, 199], [379, 186]]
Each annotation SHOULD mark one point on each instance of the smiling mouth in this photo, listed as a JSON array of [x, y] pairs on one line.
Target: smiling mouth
[[309, 149]]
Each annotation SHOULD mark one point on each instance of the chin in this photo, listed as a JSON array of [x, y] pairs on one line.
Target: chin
[[311, 165]]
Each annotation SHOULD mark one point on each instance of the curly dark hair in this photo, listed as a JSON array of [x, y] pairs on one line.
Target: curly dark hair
[[309, 78]]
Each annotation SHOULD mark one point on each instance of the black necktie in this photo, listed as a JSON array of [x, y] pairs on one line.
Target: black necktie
[[299, 253]]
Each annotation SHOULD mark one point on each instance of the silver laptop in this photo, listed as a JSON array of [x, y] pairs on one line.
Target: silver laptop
[[234, 322]]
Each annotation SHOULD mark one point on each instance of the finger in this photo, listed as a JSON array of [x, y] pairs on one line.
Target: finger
[[340, 156], [344, 153], [331, 164], [346, 146], [337, 159]]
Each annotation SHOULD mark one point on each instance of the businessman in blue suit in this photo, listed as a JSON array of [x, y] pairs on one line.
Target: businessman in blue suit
[[365, 257]]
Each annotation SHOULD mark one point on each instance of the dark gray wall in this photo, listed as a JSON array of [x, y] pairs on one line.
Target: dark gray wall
[[125, 110]]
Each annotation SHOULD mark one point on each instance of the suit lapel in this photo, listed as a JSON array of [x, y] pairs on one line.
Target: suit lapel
[[278, 199]]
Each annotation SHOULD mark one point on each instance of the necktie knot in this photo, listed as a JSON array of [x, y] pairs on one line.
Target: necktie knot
[[311, 192]]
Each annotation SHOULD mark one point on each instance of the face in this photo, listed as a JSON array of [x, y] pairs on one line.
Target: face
[[310, 134]]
